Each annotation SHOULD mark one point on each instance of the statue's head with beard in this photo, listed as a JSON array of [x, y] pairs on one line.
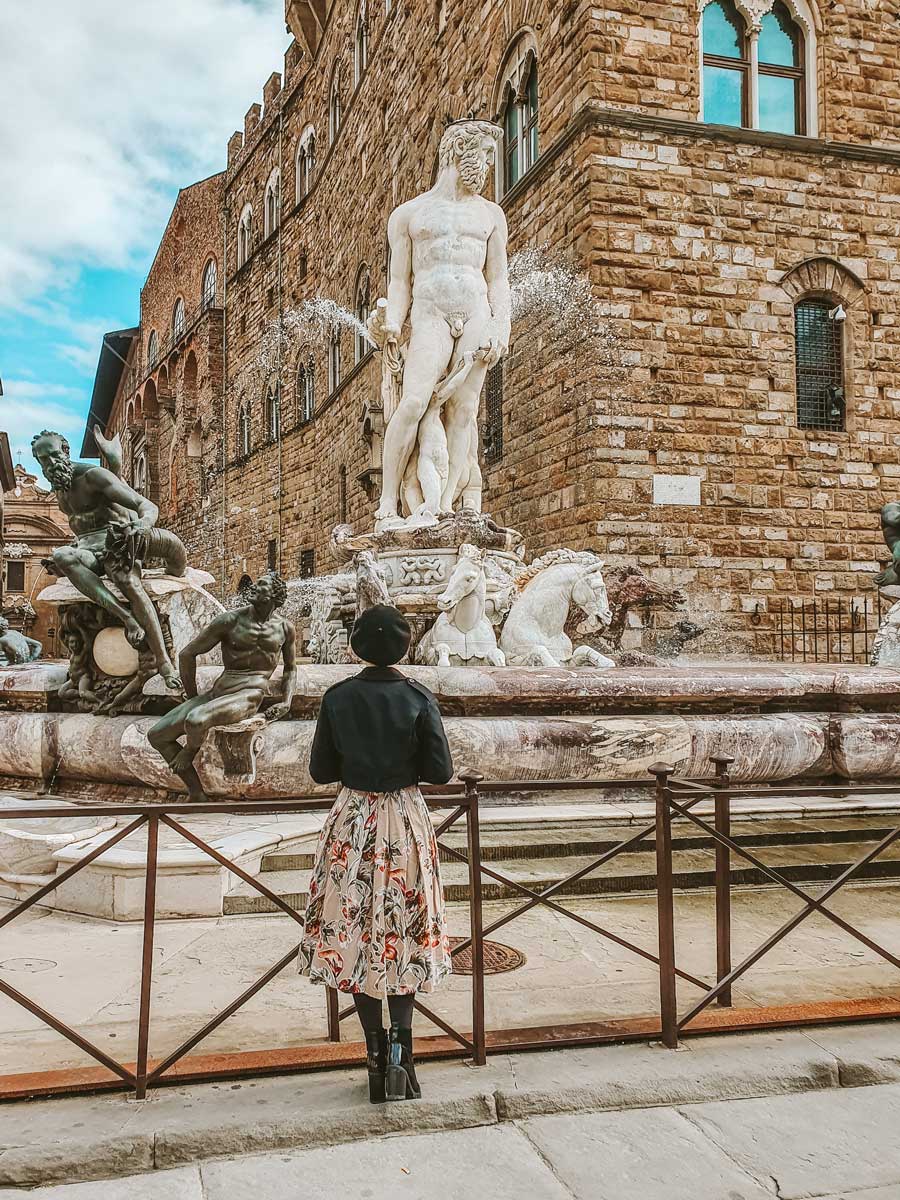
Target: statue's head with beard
[[471, 146], [53, 453]]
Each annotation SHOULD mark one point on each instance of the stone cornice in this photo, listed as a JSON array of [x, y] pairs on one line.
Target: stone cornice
[[600, 116]]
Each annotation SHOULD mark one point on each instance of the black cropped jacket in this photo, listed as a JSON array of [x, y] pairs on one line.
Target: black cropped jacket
[[379, 732]]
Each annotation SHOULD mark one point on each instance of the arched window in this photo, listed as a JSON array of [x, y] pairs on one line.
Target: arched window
[[726, 65], [518, 94], [245, 235], [243, 431], [757, 77], [334, 104], [140, 474], [334, 361], [360, 342], [272, 206], [152, 349], [210, 281], [305, 163], [273, 412], [782, 77], [819, 330], [360, 45], [306, 390], [179, 321]]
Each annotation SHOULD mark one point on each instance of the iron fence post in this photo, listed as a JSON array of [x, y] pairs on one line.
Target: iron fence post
[[665, 908], [471, 779], [722, 822], [140, 1087]]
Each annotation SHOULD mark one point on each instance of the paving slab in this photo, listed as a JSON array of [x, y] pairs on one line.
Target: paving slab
[[499, 1162], [615, 1077], [651, 1154], [809, 1145], [865, 1054], [181, 1184]]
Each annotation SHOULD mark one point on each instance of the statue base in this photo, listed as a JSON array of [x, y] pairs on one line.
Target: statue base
[[106, 673]]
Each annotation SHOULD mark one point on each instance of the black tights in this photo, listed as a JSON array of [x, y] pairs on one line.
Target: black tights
[[368, 1009]]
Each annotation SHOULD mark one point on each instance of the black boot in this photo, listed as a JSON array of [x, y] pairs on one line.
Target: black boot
[[376, 1062], [400, 1077]]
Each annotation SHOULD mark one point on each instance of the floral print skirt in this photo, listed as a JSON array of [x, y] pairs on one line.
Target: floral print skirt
[[375, 915]]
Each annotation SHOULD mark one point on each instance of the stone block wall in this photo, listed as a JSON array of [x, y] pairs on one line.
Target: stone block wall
[[677, 448]]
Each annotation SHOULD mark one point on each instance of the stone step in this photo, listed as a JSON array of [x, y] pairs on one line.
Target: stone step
[[564, 841], [693, 869]]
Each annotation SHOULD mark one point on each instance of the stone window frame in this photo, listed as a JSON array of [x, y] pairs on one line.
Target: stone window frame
[[304, 163], [8, 586], [362, 296], [244, 431], [245, 235], [209, 283], [273, 411], [152, 349], [824, 278], [335, 103], [334, 360], [305, 387], [520, 59], [272, 203], [360, 43], [753, 12], [140, 469]]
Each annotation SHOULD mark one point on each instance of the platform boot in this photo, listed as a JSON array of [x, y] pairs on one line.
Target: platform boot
[[400, 1078], [376, 1063]]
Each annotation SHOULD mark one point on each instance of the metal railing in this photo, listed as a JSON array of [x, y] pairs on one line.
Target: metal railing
[[839, 630], [675, 798]]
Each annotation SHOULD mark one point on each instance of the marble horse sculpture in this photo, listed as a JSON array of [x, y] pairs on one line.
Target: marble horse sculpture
[[463, 633], [252, 639], [449, 286], [15, 647], [534, 632]]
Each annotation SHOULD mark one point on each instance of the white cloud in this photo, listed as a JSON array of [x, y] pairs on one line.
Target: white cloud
[[27, 406], [104, 109]]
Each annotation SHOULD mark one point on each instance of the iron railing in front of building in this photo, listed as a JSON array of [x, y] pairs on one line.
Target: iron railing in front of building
[[675, 799], [839, 630]]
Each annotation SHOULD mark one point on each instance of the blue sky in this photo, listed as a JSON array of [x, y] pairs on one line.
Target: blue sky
[[105, 111]]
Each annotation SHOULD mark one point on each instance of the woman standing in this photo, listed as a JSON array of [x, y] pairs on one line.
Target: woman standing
[[375, 917]]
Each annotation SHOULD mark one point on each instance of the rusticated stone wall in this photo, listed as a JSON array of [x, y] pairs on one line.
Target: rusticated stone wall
[[689, 234]]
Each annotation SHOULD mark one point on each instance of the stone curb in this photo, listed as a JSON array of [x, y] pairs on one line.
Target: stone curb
[[197, 1125]]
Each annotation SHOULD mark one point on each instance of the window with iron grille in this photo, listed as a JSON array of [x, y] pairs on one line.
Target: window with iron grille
[[307, 564], [493, 425], [272, 555], [342, 494], [820, 366]]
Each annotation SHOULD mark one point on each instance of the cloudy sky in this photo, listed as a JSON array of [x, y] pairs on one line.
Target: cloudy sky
[[106, 109]]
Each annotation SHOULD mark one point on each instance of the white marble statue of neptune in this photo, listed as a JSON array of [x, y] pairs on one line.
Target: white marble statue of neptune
[[448, 279]]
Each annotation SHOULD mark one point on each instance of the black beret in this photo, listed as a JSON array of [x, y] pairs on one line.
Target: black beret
[[381, 635]]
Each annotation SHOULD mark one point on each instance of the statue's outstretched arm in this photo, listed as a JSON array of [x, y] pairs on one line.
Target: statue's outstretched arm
[[117, 491], [399, 294], [289, 675]]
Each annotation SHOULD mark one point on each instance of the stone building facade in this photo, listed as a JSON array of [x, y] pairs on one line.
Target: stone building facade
[[726, 174], [33, 527]]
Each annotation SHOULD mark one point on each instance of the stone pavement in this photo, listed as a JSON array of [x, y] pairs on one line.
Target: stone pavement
[[615, 1122], [87, 972], [834, 1145]]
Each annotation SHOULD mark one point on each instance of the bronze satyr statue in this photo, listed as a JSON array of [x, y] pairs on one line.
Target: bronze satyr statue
[[252, 638], [115, 531], [15, 647]]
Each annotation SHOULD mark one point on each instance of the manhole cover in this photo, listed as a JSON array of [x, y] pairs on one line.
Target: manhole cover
[[497, 958], [32, 965]]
